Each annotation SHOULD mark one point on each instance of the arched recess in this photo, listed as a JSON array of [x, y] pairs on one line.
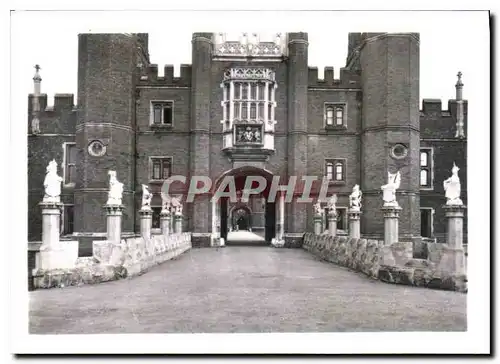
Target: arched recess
[[220, 208]]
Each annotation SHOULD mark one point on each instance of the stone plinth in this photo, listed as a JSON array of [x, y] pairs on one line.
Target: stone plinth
[[114, 222], [278, 242], [318, 224], [178, 224], [165, 223], [146, 217], [455, 228], [453, 256], [54, 254], [332, 223], [354, 223], [391, 224], [51, 222]]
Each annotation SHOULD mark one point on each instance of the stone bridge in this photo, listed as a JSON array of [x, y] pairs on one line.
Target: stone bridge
[[245, 289]]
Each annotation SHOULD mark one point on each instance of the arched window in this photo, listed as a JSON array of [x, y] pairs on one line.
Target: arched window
[[425, 168], [339, 115], [424, 177], [335, 170], [423, 159], [329, 170], [329, 115], [339, 171]]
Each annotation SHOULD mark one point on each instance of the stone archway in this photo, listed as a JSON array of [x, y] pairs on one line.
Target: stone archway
[[230, 216], [241, 218]]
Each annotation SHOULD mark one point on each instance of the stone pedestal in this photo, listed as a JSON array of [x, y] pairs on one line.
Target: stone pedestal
[[55, 254], [165, 223], [178, 224], [318, 224], [146, 217], [391, 224], [114, 222], [354, 224], [215, 239], [279, 241], [51, 223], [453, 257], [332, 223]]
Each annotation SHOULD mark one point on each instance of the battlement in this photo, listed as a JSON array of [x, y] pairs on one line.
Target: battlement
[[438, 123], [348, 78], [434, 108], [59, 118], [150, 76], [62, 102]]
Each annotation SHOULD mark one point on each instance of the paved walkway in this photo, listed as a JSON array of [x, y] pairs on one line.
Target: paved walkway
[[245, 289]]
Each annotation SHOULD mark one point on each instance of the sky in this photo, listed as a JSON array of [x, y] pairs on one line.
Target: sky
[[447, 40]]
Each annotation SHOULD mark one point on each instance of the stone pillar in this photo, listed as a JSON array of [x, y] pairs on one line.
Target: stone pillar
[[165, 223], [178, 223], [51, 223], [215, 239], [332, 223], [391, 224], [354, 224], [279, 240], [318, 224], [54, 254], [453, 259], [114, 222], [146, 216]]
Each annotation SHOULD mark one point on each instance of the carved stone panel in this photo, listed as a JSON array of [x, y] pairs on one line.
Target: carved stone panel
[[248, 134]]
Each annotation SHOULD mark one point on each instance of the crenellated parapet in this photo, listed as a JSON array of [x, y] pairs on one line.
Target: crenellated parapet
[[347, 79], [436, 122], [52, 119], [150, 76]]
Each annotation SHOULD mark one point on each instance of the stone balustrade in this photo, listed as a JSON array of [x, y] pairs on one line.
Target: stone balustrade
[[391, 264], [114, 260]]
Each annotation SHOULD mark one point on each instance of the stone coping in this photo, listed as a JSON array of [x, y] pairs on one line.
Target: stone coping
[[391, 264]]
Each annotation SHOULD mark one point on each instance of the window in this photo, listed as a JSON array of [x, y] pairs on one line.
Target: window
[[68, 219], [253, 94], [335, 170], [69, 163], [334, 115], [426, 168], [339, 115], [426, 222], [156, 218], [329, 116], [161, 168], [162, 112]]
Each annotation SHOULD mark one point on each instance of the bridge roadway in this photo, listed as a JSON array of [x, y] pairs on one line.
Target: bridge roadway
[[245, 289]]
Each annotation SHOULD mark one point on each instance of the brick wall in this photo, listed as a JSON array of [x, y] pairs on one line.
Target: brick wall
[[114, 105]]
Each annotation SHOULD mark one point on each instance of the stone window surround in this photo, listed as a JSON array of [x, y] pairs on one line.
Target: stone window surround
[[335, 105], [151, 113], [430, 168], [65, 147], [334, 161], [432, 220], [150, 167], [228, 97]]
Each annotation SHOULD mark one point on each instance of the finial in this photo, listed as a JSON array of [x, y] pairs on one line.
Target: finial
[[37, 74], [459, 85], [459, 81]]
